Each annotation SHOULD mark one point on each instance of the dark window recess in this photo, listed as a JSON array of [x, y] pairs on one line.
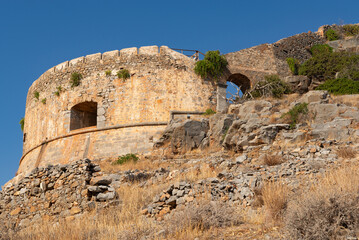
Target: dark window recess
[[24, 137], [83, 115]]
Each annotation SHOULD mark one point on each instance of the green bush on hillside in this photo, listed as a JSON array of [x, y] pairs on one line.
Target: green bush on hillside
[[320, 49], [213, 65], [325, 64], [293, 65], [331, 35], [340, 86], [130, 157], [351, 30], [295, 113]]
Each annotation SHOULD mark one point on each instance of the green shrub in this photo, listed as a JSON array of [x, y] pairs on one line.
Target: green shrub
[[320, 49], [295, 113], [340, 86], [213, 65], [324, 65], [123, 74], [43, 100], [130, 157], [331, 35], [22, 123], [351, 30], [36, 95], [108, 72], [75, 79], [271, 86], [293, 65], [209, 112]]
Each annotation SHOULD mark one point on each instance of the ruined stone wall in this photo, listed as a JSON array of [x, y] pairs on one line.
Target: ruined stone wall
[[54, 192], [130, 113]]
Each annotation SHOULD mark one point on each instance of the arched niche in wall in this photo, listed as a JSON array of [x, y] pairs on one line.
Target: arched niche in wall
[[83, 115]]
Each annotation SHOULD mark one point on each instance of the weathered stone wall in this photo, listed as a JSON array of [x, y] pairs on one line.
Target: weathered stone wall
[[61, 191], [348, 45], [161, 80]]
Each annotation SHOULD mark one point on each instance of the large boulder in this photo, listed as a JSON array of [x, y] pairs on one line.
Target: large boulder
[[183, 136], [298, 84]]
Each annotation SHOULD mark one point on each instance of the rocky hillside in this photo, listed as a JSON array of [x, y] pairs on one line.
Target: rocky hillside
[[268, 169]]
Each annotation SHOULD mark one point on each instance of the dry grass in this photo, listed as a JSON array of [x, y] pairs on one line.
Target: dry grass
[[349, 100], [275, 196], [142, 164], [329, 210], [123, 222], [195, 174], [272, 160], [346, 152]]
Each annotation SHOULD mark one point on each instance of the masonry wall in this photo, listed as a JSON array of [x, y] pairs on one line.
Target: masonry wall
[[130, 113]]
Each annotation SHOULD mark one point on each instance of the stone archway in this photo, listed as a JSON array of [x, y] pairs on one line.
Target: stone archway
[[241, 81]]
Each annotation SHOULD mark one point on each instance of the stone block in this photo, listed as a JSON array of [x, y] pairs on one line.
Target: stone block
[[148, 50], [128, 52], [75, 61], [61, 66], [93, 57], [110, 55]]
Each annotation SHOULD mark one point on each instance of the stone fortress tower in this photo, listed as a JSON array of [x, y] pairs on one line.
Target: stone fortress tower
[[105, 116]]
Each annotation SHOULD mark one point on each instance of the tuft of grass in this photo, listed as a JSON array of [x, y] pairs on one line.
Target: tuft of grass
[[123, 74], [36, 95], [43, 101], [295, 113], [108, 72], [272, 160], [346, 152], [130, 157], [293, 65], [209, 111], [213, 65], [22, 123], [275, 195], [75, 79], [331, 35]]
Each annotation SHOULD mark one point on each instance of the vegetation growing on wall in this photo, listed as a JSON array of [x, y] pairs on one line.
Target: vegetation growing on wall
[[123, 74], [36, 95], [22, 123], [331, 35], [293, 65], [209, 112], [271, 86], [213, 65], [43, 100], [58, 91], [108, 72], [75, 79]]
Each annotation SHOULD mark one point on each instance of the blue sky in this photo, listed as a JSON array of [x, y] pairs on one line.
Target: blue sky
[[37, 35]]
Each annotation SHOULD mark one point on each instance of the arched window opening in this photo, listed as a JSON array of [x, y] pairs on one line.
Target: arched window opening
[[237, 85], [83, 115]]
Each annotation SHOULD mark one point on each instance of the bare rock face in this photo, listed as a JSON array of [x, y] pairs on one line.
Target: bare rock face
[[183, 136]]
